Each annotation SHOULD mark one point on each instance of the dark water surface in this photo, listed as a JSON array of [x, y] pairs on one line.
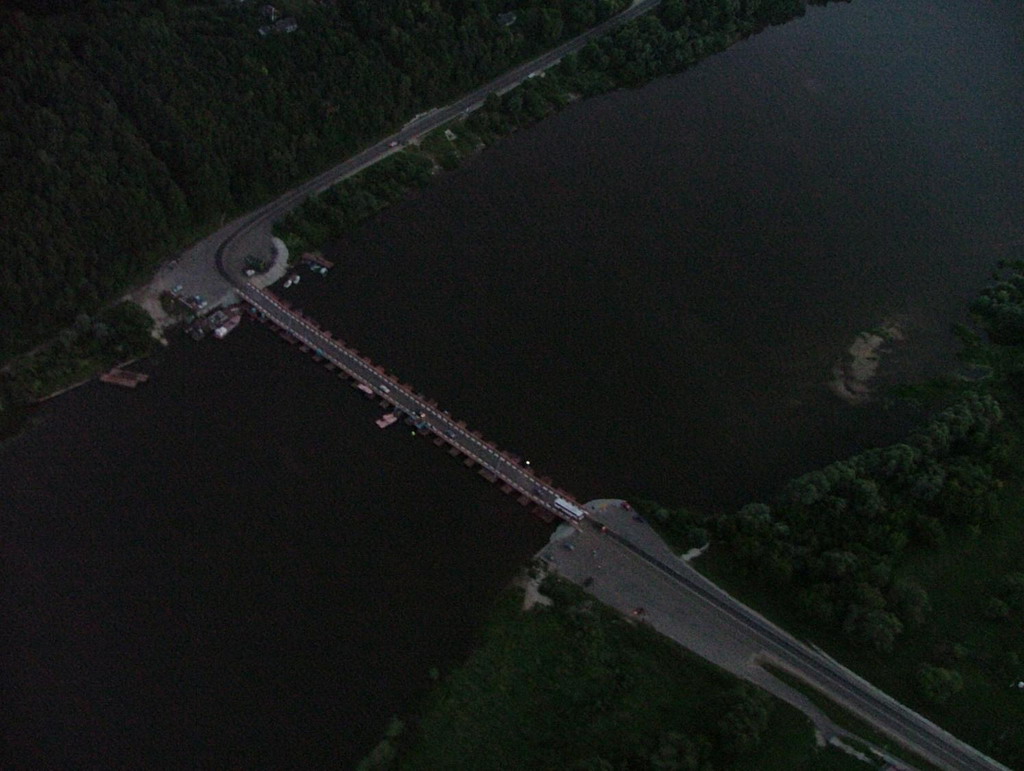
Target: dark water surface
[[642, 295]]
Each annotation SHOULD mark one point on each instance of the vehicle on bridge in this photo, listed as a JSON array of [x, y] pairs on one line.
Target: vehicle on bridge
[[569, 509]]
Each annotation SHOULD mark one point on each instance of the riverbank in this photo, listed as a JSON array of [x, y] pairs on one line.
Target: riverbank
[[121, 333], [572, 684], [670, 43], [905, 559]]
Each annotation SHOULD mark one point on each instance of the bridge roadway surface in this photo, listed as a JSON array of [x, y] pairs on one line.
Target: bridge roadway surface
[[226, 248], [424, 413]]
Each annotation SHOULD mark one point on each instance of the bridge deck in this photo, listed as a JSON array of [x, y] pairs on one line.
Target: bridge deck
[[422, 411]]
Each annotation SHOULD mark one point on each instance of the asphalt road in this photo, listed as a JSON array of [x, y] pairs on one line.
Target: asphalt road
[[630, 567], [230, 245]]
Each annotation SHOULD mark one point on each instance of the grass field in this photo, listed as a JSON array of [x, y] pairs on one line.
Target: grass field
[[841, 717], [576, 686]]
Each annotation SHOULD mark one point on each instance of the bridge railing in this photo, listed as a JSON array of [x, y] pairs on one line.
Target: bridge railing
[[446, 428]]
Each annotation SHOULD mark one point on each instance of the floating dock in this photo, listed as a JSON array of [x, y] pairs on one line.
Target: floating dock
[[316, 258], [387, 420], [123, 378]]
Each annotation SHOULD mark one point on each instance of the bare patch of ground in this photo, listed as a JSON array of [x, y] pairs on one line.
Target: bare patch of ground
[[530, 582], [851, 377]]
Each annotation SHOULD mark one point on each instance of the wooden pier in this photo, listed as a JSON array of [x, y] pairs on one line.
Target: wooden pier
[[123, 377]]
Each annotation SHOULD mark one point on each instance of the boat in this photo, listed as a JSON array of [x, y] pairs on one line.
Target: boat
[[225, 329]]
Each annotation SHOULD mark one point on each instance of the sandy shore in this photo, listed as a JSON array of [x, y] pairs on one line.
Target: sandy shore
[[851, 377]]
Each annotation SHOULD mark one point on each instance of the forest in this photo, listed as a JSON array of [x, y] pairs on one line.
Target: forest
[[130, 129], [668, 40], [907, 557]]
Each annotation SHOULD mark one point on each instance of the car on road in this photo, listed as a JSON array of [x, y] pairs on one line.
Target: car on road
[[392, 143]]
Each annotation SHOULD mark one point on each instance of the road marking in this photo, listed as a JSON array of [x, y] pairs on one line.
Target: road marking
[[489, 457]]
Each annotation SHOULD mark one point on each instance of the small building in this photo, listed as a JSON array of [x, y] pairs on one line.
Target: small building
[[506, 19], [270, 13], [286, 25]]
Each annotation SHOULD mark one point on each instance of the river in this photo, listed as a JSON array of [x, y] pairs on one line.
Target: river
[[643, 295]]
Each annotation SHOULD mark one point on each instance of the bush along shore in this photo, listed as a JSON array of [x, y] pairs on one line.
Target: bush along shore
[[132, 128], [905, 561], [571, 684], [668, 40], [120, 333]]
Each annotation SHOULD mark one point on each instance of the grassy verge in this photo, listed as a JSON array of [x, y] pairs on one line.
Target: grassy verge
[[116, 334], [959, 577], [576, 686], [844, 719], [662, 42]]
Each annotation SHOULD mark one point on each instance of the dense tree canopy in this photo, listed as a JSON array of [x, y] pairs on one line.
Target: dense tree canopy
[[130, 128]]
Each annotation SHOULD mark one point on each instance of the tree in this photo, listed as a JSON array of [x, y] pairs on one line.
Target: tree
[[938, 684], [996, 609], [815, 602], [678, 752], [1012, 590], [911, 601], [878, 628], [741, 726]]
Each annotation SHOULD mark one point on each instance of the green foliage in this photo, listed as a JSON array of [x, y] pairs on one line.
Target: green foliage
[[351, 201], [130, 128], [837, 532], [742, 725], [937, 684], [1012, 591], [575, 686], [898, 553], [115, 335], [996, 609]]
